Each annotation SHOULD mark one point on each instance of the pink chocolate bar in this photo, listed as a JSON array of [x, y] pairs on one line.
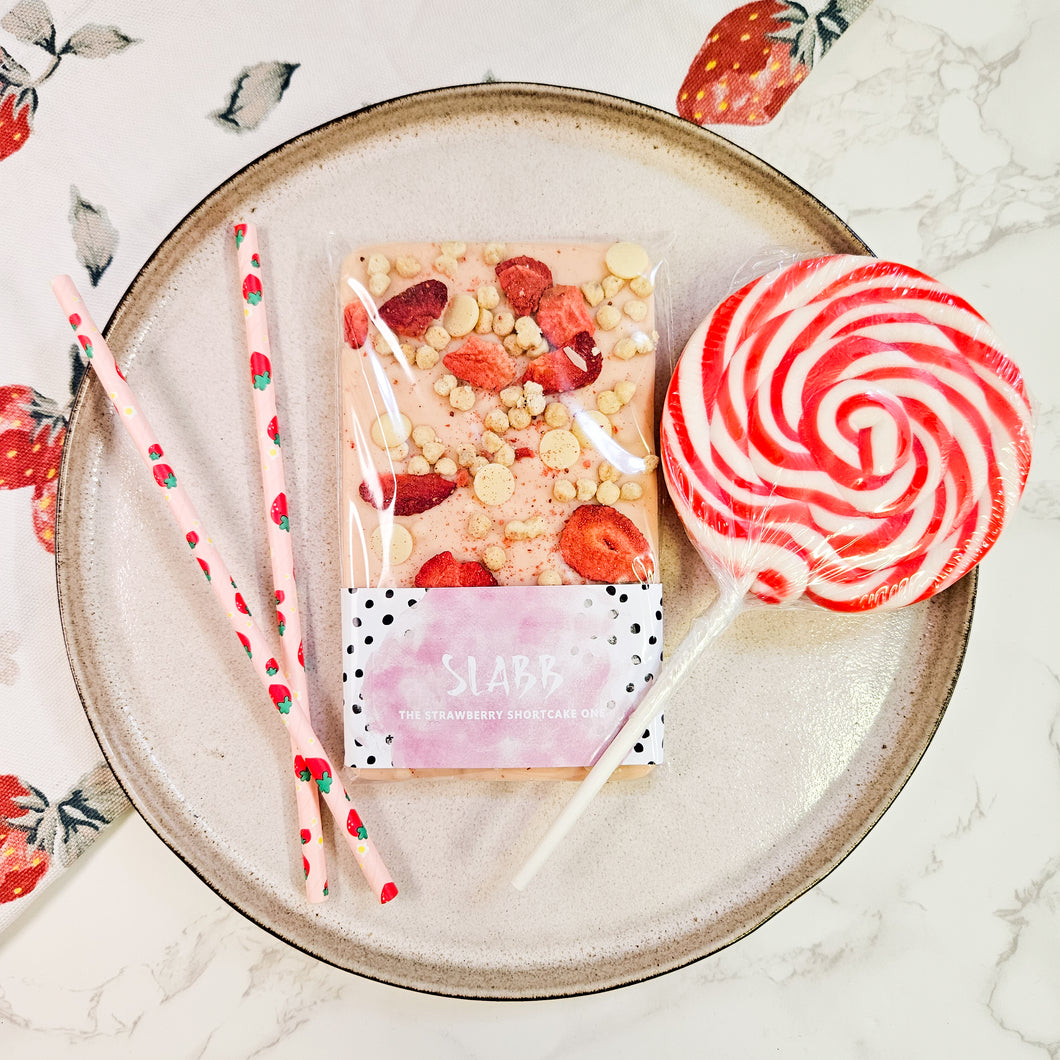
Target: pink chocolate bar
[[497, 422], [490, 455]]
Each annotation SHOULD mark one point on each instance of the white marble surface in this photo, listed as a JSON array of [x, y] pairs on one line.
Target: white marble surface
[[933, 130]]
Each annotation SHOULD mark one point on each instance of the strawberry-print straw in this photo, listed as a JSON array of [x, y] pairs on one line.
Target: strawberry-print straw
[[278, 529], [315, 761]]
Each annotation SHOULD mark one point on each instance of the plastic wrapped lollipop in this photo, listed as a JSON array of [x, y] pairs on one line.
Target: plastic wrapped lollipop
[[844, 432]]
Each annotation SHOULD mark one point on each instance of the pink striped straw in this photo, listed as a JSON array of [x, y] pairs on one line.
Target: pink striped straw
[[312, 757], [277, 526]]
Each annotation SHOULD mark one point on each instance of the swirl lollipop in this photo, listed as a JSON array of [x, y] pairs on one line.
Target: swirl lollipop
[[844, 432]]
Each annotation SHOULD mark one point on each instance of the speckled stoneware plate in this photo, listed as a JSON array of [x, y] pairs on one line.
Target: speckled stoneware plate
[[794, 735]]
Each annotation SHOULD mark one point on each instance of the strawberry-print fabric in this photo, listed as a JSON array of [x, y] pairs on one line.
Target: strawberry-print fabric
[[107, 138]]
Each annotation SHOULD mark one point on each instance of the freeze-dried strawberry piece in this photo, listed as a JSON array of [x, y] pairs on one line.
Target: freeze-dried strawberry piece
[[445, 571], [412, 311], [601, 544], [523, 279], [483, 364], [562, 314], [578, 363], [523, 452], [409, 494], [355, 324]]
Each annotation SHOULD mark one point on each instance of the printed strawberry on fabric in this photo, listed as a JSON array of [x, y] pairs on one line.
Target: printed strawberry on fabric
[[32, 432], [22, 865], [38, 833], [755, 57], [30, 23]]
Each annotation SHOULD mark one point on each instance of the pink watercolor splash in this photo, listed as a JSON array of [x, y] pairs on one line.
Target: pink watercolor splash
[[493, 654]]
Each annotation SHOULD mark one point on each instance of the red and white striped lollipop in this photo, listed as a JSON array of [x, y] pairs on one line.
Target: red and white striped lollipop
[[845, 430]]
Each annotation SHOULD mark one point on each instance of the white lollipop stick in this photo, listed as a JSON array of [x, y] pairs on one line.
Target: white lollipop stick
[[709, 625]]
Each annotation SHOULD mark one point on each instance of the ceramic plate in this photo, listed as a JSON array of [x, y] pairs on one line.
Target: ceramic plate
[[789, 742]]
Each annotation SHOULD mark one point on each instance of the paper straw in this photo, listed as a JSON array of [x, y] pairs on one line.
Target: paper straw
[[278, 530], [705, 629], [202, 551]]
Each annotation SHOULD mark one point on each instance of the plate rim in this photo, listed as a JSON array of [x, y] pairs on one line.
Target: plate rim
[[711, 142]]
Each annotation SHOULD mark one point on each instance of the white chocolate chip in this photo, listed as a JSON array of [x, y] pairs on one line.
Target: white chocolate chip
[[607, 317], [527, 332], [419, 465], [512, 396], [485, 322], [446, 466], [494, 557], [532, 389], [644, 343], [399, 545], [423, 433], [444, 384], [461, 315], [494, 484], [454, 250], [564, 490], [491, 441], [477, 464], [641, 286], [607, 493], [625, 349], [536, 404], [462, 398], [598, 418], [512, 344], [626, 260], [517, 530], [651, 462], [408, 351], [593, 293], [387, 434], [496, 420], [611, 285], [447, 265], [505, 455], [635, 309], [437, 337], [519, 418], [607, 472], [479, 524], [556, 415], [408, 266], [549, 577], [488, 296], [586, 489], [558, 449], [607, 402], [398, 452], [503, 323], [465, 454], [494, 253], [427, 357], [378, 282], [433, 452], [378, 263], [631, 491], [624, 390]]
